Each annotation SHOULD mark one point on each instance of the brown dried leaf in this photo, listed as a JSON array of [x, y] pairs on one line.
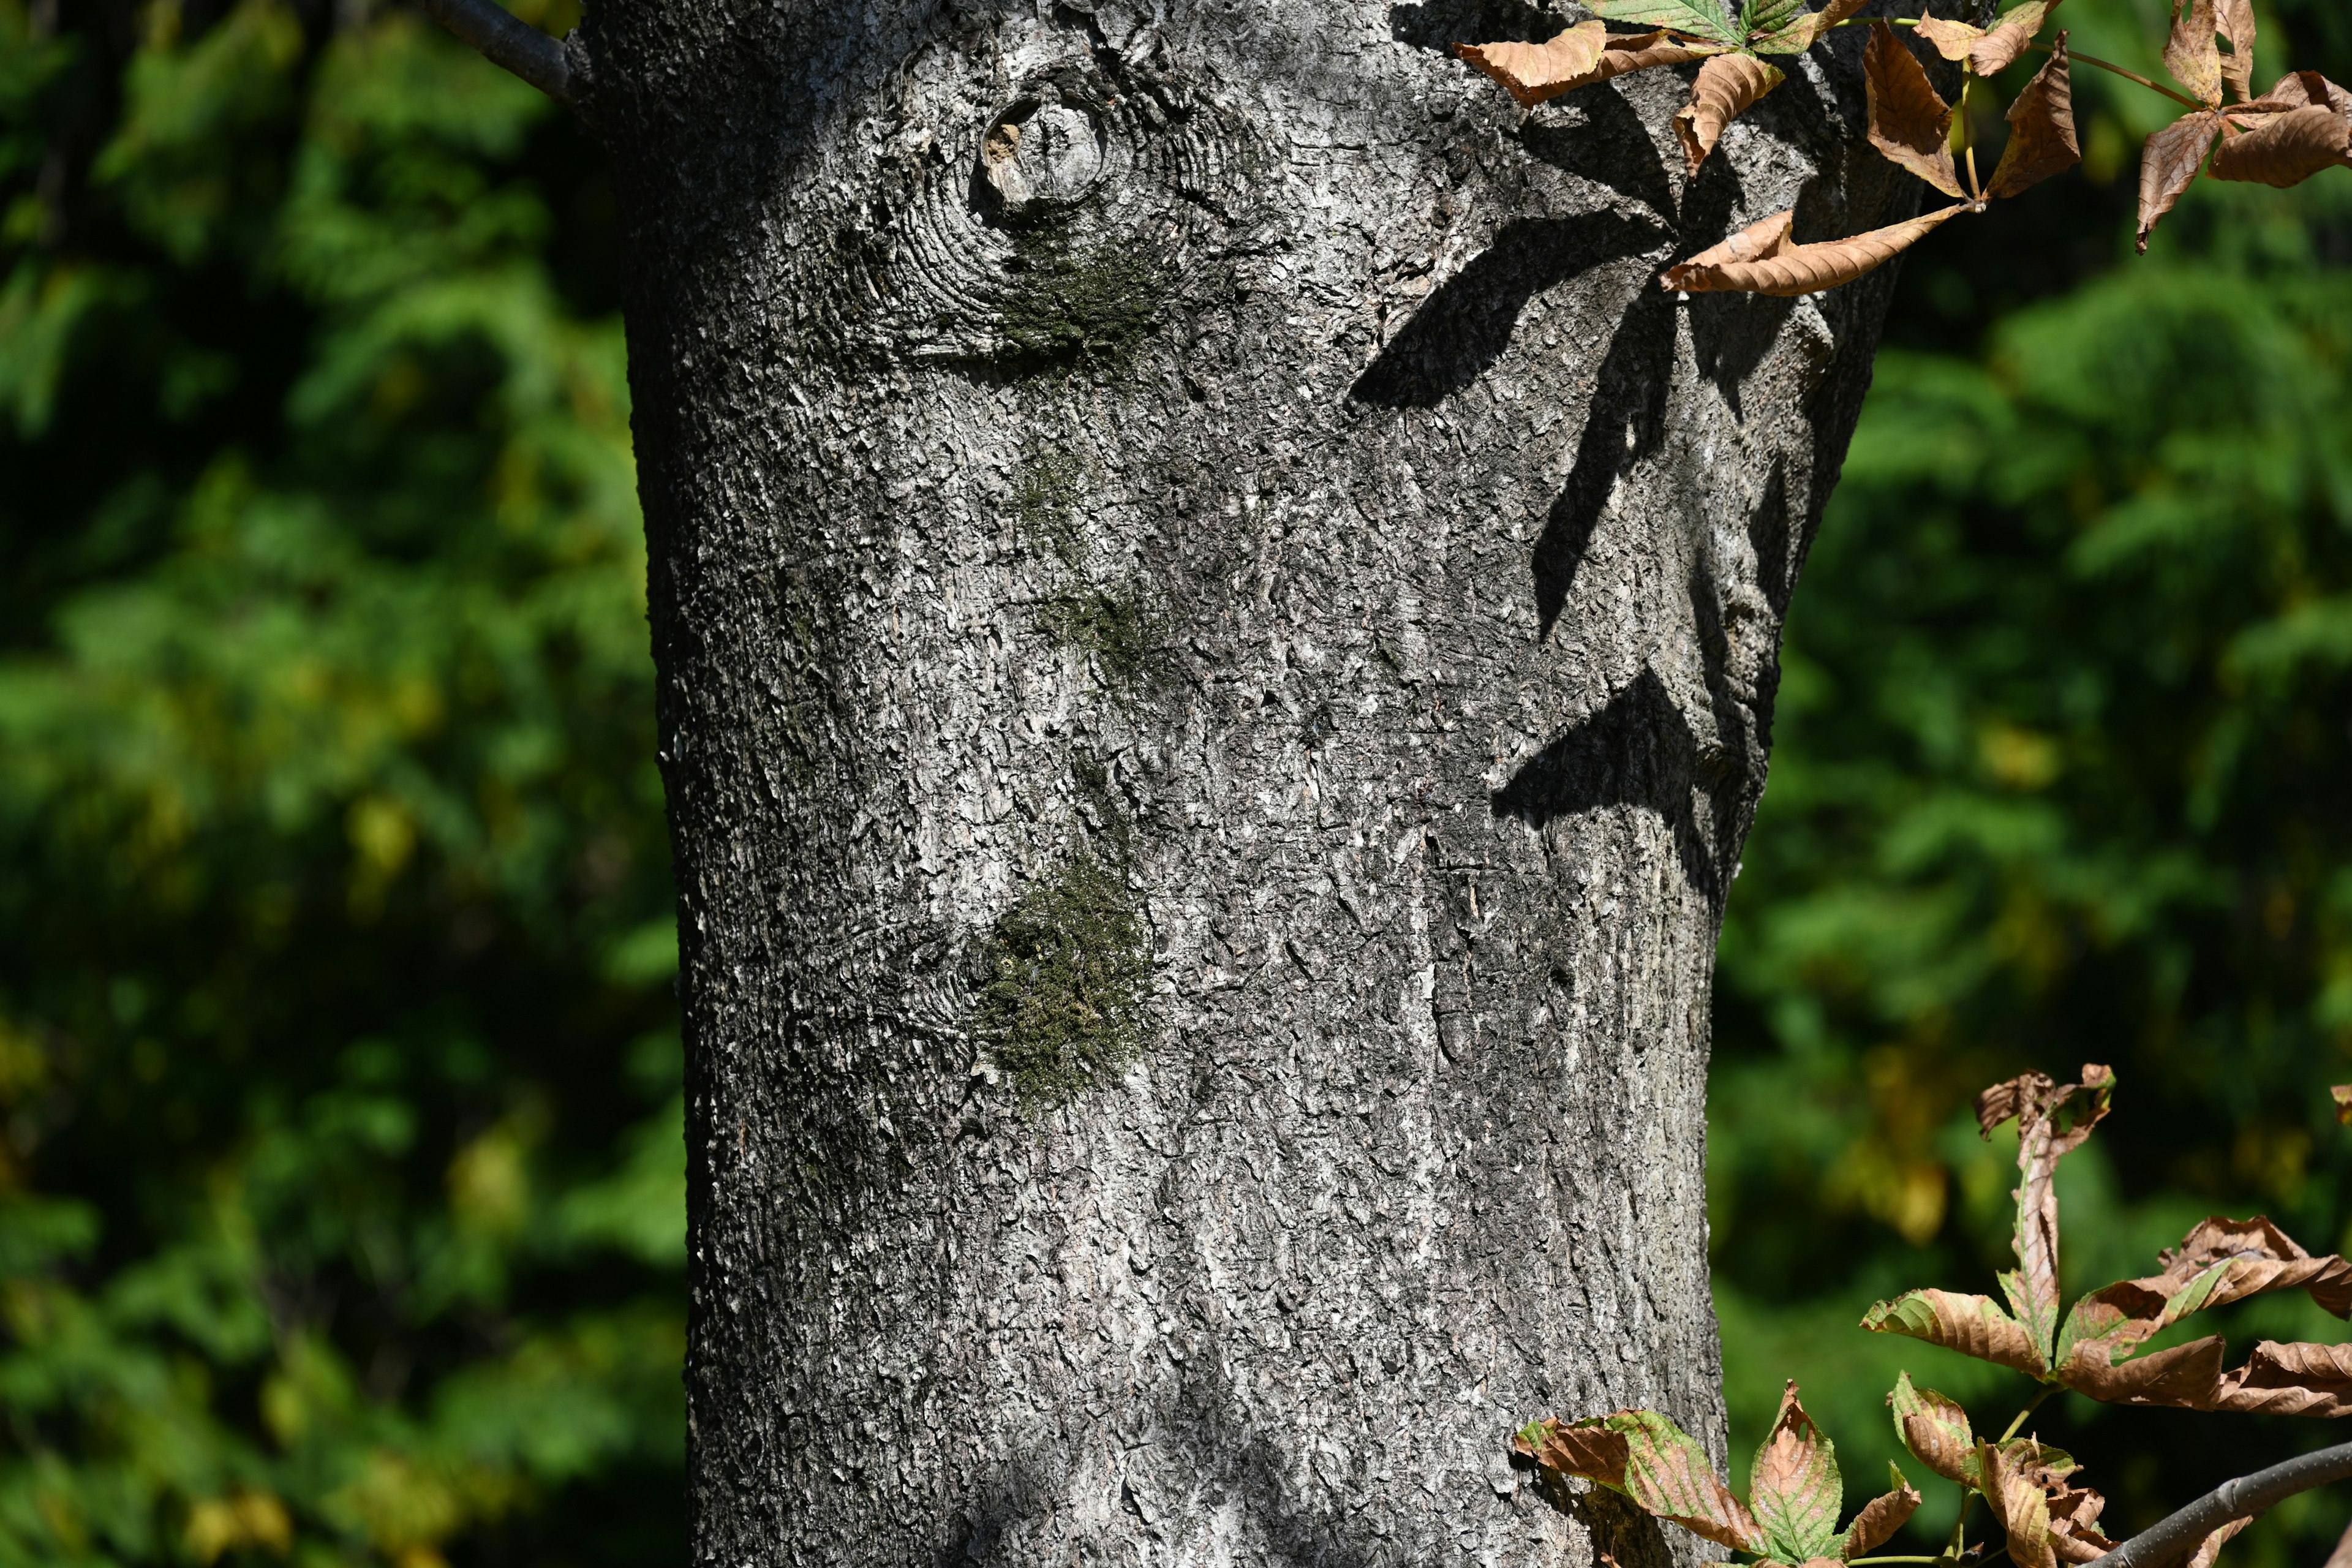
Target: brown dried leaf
[[1806, 31], [2285, 149], [2210, 1547], [2253, 1256], [1727, 85], [1881, 1516], [1973, 1325], [1909, 121], [1793, 270], [2235, 21], [1760, 239], [2170, 164], [1953, 40], [2192, 54], [2074, 1533], [2041, 140], [2052, 1121], [2341, 1556], [2018, 1501], [2293, 90], [2289, 1380], [2183, 1375], [2010, 37], [1531, 73]]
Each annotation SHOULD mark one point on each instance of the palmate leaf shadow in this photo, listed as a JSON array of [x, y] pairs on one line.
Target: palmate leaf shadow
[[1610, 146], [1636, 749], [1442, 24], [1464, 326]]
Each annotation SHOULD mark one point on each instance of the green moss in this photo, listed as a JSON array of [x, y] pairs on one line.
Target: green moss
[[1117, 628], [1075, 300], [1045, 503], [1069, 966]]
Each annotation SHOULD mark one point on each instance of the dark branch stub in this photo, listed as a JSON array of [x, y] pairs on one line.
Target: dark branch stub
[[2176, 1536], [504, 40]]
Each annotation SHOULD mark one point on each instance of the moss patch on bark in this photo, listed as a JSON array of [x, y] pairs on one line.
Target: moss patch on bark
[[1070, 968], [1080, 299]]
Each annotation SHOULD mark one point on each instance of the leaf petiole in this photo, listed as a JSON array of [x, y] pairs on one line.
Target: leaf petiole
[[2032, 1406], [2127, 75]]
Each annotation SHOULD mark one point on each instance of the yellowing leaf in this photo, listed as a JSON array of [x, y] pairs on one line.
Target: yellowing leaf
[[2192, 54], [1726, 86], [2170, 164], [1936, 1429], [1760, 260], [2041, 138], [1910, 123], [1973, 1325], [1806, 31], [2052, 1121], [1653, 1461], [1795, 1490]]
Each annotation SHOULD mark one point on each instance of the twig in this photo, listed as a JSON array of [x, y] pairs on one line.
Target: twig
[[2128, 76], [505, 40], [2176, 1535]]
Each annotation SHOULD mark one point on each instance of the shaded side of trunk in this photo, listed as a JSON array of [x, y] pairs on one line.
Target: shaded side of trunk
[[1217, 636]]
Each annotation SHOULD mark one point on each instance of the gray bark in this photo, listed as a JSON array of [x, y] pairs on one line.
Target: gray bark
[[1217, 634]]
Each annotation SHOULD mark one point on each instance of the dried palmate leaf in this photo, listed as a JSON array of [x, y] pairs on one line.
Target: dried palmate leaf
[[2285, 149], [1806, 31], [2169, 165], [1973, 1325], [1532, 73], [1700, 18], [1760, 260], [1726, 86], [2019, 1500], [2210, 1547], [2041, 138], [1795, 1489], [1936, 1430], [1881, 1516], [2235, 22], [2288, 1380], [2074, 1533], [2052, 1122], [1987, 50], [1909, 121], [1653, 1461], [2194, 54]]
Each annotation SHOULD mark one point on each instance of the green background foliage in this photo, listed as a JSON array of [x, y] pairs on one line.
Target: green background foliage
[[341, 1167], [2061, 775], [341, 1174]]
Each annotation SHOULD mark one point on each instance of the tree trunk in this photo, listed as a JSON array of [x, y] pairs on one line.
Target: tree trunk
[[1217, 634]]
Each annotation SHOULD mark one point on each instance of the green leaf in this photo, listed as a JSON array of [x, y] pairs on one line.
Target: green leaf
[[1797, 1491], [1769, 16], [1703, 18]]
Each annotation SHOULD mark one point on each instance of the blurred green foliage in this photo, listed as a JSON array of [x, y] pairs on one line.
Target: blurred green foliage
[[2063, 774], [342, 1171]]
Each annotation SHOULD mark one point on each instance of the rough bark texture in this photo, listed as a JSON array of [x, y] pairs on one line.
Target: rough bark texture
[[1217, 637]]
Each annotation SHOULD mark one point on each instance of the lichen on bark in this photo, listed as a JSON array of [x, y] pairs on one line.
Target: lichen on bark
[[1069, 969]]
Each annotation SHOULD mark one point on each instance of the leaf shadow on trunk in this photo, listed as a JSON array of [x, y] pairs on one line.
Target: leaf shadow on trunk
[[1442, 24], [1609, 146], [1625, 418], [1466, 323], [1636, 749]]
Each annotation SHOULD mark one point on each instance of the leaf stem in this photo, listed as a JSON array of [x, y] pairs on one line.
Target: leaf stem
[[2032, 1406], [2113, 68]]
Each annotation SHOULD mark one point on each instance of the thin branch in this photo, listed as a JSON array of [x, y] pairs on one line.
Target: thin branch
[[2127, 75], [504, 40], [2177, 1535]]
